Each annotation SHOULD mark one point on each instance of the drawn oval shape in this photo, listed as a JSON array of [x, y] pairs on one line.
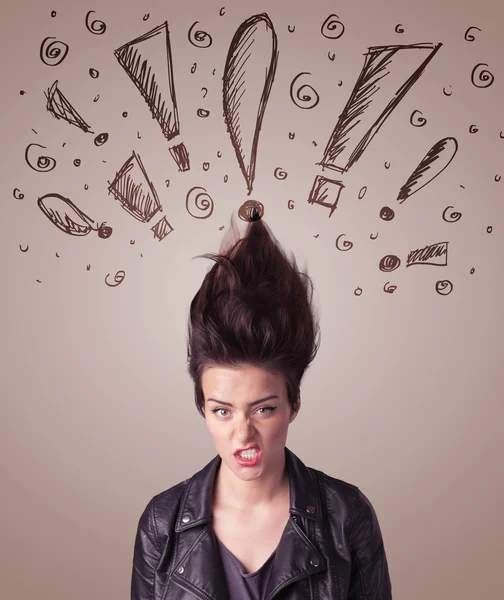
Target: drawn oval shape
[[489, 229], [387, 165], [54, 53], [299, 97], [43, 164], [362, 192], [332, 28], [203, 113], [206, 166], [358, 291], [387, 213], [101, 138]]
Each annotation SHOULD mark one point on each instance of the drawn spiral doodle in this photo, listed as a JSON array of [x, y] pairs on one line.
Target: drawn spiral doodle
[[94, 73], [347, 244], [54, 53], [43, 164], [454, 216], [203, 113], [280, 173], [389, 263], [250, 208], [390, 289], [198, 38], [118, 278], [473, 129], [101, 138], [420, 122], [17, 194], [469, 37], [199, 197], [387, 213], [301, 99], [444, 287], [96, 27], [332, 28], [77, 162], [399, 28], [481, 75]]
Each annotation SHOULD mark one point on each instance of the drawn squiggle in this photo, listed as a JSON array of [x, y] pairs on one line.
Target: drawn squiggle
[[200, 39], [54, 53], [44, 164], [421, 121], [96, 27], [444, 287], [347, 244], [469, 37], [17, 194], [199, 197], [454, 216], [484, 76], [280, 173], [301, 99], [118, 279], [332, 28]]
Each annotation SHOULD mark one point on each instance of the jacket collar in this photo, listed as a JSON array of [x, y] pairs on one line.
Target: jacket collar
[[198, 566]]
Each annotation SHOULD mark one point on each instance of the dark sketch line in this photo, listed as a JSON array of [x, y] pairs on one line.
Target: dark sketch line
[[97, 27], [390, 262], [134, 190], [347, 244], [440, 155], [44, 164], [390, 289], [444, 287], [481, 75], [118, 278], [435, 254], [325, 192], [203, 113], [469, 37], [199, 197], [138, 57], [54, 53], [60, 108], [206, 91], [96, 98], [399, 28], [454, 216], [94, 73], [161, 229], [63, 213], [24, 249], [299, 97], [420, 122], [100, 139], [198, 38], [18, 194], [332, 28], [252, 56]]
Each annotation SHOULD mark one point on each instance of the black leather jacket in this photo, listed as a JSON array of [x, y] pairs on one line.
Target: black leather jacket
[[331, 548]]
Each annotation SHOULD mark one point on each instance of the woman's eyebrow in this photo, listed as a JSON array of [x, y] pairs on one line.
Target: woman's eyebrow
[[253, 403]]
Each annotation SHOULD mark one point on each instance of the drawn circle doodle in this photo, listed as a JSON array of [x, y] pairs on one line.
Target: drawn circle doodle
[[132, 242], [146, 16], [373, 237], [101, 138], [53, 13], [222, 11], [77, 162], [292, 135], [203, 113], [199, 197], [301, 99], [94, 73], [219, 154], [332, 28], [290, 204], [54, 53], [17, 194], [454, 216], [421, 121], [362, 192], [291, 30], [314, 143], [390, 262], [167, 183], [473, 129], [399, 28], [446, 93], [206, 91], [125, 114], [497, 178], [193, 68], [96, 27], [387, 213], [86, 186], [484, 76], [331, 56], [390, 289], [358, 291], [25, 249], [225, 178], [387, 165], [444, 287], [472, 271], [200, 39], [44, 164], [280, 173], [347, 245], [489, 229], [22, 92], [469, 37], [250, 208], [118, 278], [206, 166]]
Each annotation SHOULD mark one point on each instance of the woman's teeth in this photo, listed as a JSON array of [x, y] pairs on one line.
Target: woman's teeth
[[248, 453]]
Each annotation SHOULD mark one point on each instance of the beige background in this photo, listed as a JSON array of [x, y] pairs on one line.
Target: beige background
[[405, 396]]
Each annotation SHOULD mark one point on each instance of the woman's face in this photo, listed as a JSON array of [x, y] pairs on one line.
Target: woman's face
[[242, 424]]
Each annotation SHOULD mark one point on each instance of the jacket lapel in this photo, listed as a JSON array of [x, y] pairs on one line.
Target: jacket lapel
[[198, 567]]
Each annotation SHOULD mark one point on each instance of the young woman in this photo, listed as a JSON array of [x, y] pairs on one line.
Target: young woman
[[256, 523]]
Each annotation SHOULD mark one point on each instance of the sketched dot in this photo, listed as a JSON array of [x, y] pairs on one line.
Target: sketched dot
[[389, 263], [206, 166], [94, 73], [358, 291], [77, 162], [167, 183], [125, 114], [222, 11], [96, 98], [53, 13], [387, 214], [24, 249], [202, 112], [362, 192], [444, 287], [22, 92], [38, 281], [489, 229], [101, 138], [292, 135], [446, 93], [88, 267], [472, 271]]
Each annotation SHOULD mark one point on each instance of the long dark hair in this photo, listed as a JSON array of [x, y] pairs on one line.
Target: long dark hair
[[253, 308]]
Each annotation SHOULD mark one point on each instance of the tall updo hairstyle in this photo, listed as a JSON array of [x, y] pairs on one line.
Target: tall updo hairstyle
[[253, 308]]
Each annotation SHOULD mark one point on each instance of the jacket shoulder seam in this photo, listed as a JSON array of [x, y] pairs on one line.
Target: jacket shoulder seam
[[152, 518]]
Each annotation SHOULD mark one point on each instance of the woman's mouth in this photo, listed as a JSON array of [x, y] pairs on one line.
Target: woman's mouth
[[248, 458]]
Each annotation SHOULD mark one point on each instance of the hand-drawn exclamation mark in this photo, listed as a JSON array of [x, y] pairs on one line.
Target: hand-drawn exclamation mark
[[148, 62], [366, 110], [247, 80]]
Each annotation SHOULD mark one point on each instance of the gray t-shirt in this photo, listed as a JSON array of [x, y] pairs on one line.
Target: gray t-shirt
[[242, 585]]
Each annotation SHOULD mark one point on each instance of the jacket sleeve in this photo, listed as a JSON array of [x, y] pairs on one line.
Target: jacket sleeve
[[146, 556], [369, 579]]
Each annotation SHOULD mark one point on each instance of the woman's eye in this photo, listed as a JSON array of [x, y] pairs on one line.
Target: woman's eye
[[267, 409]]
